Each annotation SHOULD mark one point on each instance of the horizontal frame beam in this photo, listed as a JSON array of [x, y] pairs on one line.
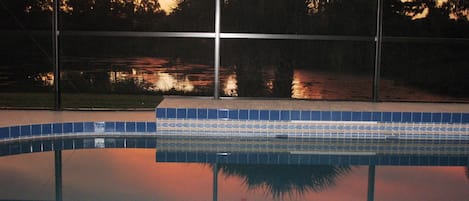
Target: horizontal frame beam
[[139, 34], [424, 39], [295, 37], [242, 36]]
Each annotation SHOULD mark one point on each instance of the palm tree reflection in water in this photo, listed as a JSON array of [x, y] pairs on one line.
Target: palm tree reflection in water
[[280, 180]]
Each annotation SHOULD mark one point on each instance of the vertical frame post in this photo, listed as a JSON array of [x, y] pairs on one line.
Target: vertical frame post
[[378, 44], [216, 93], [55, 56]]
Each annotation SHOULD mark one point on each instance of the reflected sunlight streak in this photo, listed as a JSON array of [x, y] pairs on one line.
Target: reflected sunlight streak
[[300, 90], [167, 82], [231, 86]]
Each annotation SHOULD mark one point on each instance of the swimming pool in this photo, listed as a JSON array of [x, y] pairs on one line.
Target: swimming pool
[[145, 167], [214, 151]]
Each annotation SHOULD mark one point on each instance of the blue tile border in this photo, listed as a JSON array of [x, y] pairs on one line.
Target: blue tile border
[[274, 115], [120, 127], [51, 129], [130, 127], [141, 127], [312, 115], [253, 114], [88, 127], [5, 132]]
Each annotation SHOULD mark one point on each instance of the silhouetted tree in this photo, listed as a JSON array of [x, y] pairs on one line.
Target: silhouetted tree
[[280, 180], [193, 15]]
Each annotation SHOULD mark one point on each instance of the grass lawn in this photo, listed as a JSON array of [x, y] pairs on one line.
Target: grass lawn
[[74, 101]]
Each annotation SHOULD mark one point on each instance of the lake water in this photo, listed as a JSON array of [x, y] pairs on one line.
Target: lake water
[[175, 76]]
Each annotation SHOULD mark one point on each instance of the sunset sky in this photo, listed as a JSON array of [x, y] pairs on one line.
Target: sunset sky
[[168, 5]]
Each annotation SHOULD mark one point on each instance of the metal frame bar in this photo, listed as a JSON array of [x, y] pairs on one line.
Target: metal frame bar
[[217, 34], [216, 94], [140, 34], [55, 57], [295, 37], [424, 39], [378, 45]]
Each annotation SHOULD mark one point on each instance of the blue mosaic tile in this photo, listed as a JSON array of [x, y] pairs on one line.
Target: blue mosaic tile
[[346, 116], [68, 127], [141, 127], [57, 128], [356, 116], [181, 113], [222, 114], [285, 115], [171, 113], [336, 116], [264, 114], [305, 115], [274, 115], [46, 129], [326, 115], [416, 117], [243, 115], [366, 116], [109, 126], [201, 113], [465, 118], [25, 130], [456, 118], [14, 131], [386, 116], [436, 117], [36, 129], [192, 113], [233, 114], [396, 116], [376, 116], [406, 117], [120, 126], [78, 127], [89, 127], [253, 114], [4, 132], [160, 112], [294, 115], [316, 115], [212, 114], [426, 117], [130, 127], [446, 118]]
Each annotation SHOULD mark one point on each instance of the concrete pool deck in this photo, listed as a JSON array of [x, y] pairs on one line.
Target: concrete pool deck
[[314, 105], [22, 117]]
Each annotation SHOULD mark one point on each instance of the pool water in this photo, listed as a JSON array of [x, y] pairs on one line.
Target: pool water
[[237, 169]]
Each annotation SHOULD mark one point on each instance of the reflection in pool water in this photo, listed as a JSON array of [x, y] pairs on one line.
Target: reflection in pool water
[[281, 180], [122, 172]]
